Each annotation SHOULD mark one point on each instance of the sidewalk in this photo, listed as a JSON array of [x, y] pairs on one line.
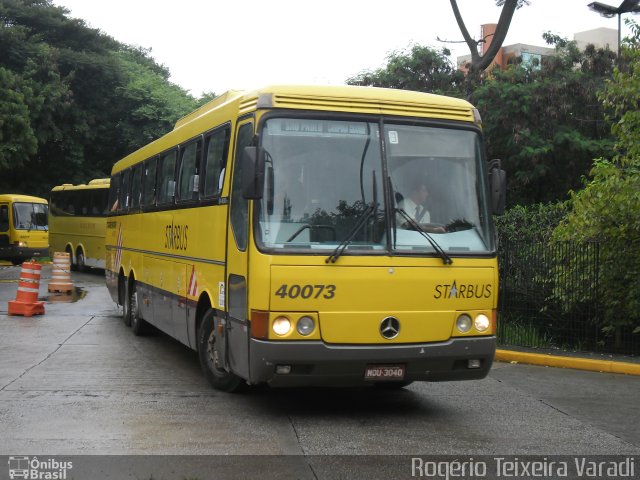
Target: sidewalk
[[594, 362]]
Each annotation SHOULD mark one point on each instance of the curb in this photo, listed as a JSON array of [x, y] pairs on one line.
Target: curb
[[568, 362]]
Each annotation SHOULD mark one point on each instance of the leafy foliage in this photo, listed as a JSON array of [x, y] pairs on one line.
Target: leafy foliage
[[419, 68], [545, 121], [606, 209], [72, 99], [530, 223]]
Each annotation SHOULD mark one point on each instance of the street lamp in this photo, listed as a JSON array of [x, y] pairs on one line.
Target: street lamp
[[627, 6]]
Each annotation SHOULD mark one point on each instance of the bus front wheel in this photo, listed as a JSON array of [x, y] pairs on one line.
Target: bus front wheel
[[209, 353]]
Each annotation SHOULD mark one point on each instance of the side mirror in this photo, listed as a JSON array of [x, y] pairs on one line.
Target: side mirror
[[252, 169], [498, 186]]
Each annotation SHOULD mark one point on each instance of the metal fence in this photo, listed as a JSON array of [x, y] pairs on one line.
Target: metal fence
[[551, 296]]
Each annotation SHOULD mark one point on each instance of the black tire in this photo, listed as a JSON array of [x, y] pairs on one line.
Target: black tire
[[218, 377], [17, 261], [80, 265], [123, 296], [72, 263], [138, 325]]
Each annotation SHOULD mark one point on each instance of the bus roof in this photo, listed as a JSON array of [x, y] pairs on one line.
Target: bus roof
[[96, 184], [15, 197], [349, 99]]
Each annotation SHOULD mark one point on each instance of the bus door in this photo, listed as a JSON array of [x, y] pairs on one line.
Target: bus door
[[5, 226], [236, 342]]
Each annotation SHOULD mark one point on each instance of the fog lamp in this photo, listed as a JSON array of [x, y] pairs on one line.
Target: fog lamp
[[305, 325], [281, 326], [474, 363], [463, 323]]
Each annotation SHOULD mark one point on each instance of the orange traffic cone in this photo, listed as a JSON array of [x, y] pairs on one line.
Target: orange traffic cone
[[26, 302], [61, 273]]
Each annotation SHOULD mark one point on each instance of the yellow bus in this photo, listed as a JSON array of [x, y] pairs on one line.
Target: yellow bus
[[272, 232], [23, 228], [77, 221]]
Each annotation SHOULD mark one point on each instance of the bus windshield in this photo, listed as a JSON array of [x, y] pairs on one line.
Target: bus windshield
[[30, 216], [328, 184]]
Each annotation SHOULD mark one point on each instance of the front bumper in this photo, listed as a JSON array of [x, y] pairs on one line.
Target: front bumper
[[315, 363], [11, 252]]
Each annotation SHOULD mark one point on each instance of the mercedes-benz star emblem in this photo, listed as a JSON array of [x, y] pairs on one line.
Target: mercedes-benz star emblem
[[389, 328]]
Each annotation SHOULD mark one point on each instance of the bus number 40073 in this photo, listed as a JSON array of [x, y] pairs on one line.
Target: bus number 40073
[[306, 291]]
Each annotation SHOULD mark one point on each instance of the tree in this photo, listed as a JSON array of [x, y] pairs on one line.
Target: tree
[[73, 100], [419, 68], [606, 209], [480, 62], [545, 121]]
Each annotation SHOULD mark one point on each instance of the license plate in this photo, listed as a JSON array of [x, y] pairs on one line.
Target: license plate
[[384, 372]]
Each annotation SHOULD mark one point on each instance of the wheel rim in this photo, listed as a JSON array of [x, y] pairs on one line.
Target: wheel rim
[[126, 304], [213, 359], [133, 305]]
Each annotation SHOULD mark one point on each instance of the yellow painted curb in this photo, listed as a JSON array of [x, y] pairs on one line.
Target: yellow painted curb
[[608, 366]]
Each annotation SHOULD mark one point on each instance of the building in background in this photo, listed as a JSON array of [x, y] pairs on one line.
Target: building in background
[[533, 54]]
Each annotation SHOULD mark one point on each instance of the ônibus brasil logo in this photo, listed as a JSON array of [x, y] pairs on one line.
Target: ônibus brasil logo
[[33, 468]]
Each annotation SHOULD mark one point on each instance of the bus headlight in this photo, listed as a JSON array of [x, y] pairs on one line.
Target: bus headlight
[[464, 323], [305, 325], [482, 322], [281, 325]]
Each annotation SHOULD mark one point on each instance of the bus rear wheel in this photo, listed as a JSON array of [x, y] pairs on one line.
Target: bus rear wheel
[[209, 353], [132, 309], [80, 266]]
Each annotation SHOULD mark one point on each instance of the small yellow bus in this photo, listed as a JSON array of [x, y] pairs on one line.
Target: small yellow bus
[[77, 221], [23, 228], [302, 236]]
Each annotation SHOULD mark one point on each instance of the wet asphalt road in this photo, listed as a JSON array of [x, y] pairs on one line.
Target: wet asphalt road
[[76, 381]]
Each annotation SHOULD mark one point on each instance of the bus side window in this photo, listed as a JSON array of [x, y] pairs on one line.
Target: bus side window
[[4, 218], [93, 203], [123, 200], [114, 193], [53, 203], [216, 148], [136, 187], [84, 200], [166, 178], [102, 202], [188, 177], [149, 182], [71, 203]]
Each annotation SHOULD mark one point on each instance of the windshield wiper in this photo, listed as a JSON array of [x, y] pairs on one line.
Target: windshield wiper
[[356, 228], [446, 259]]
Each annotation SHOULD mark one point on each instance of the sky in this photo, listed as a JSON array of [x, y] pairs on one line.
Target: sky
[[215, 46]]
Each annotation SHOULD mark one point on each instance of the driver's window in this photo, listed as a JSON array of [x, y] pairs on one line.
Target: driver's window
[[239, 204], [4, 218]]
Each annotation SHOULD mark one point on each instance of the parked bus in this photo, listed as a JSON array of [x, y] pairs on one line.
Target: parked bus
[[77, 221], [270, 232], [23, 228]]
